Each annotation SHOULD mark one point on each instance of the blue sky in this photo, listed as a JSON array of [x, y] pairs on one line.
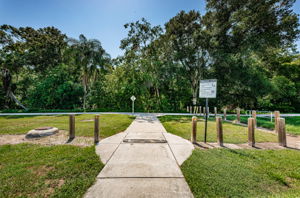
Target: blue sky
[[100, 19]]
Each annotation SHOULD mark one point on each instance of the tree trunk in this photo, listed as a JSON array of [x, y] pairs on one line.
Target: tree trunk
[[84, 82], [6, 80], [84, 97], [194, 99], [13, 97]]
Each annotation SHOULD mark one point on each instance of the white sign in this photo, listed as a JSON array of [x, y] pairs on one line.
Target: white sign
[[208, 88], [132, 98]]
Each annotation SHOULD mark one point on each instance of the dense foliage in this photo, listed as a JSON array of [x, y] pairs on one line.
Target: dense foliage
[[249, 46]]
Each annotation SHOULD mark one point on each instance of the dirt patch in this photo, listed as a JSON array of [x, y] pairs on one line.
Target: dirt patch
[[52, 184], [90, 120], [40, 170], [11, 139], [62, 137], [262, 145]]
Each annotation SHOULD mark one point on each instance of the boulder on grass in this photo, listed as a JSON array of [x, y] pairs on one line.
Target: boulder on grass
[[41, 132]]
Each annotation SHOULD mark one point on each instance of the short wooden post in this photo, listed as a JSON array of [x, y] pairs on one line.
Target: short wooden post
[[194, 130], [276, 116], [72, 126], [251, 130], [281, 131], [187, 108], [219, 131], [215, 110], [238, 115], [204, 111], [225, 114], [254, 116], [200, 109], [96, 129]]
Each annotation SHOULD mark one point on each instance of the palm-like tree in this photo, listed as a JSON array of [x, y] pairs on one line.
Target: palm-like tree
[[91, 58]]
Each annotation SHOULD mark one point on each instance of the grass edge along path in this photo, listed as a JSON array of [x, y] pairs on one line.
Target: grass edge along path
[[243, 173], [28, 170], [110, 124], [232, 133]]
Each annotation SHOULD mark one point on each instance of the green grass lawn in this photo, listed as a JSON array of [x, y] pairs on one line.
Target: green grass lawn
[[182, 126], [110, 124], [292, 123], [28, 170], [243, 173]]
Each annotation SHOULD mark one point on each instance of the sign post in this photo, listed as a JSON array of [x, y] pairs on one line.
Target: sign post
[[208, 89], [132, 98]]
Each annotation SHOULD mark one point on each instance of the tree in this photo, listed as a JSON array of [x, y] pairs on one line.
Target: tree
[[59, 90], [27, 49], [188, 42], [243, 32], [90, 58]]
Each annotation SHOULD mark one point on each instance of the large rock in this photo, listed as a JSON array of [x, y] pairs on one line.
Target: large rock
[[41, 132]]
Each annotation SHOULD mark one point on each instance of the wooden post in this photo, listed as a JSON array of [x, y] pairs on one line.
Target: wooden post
[[215, 110], [187, 108], [219, 130], [194, 130], [238, 115], [191, 109], [225, 114], [72, 126], [254, 116], [251, 130], [200, 109], [96, 129], [204, 111], [281, 131], [276, 116]]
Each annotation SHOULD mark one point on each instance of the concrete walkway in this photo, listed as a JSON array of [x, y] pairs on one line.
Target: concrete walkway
[[143, 161]]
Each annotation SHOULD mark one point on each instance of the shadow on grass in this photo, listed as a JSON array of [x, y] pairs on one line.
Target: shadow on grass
[[241, 153]]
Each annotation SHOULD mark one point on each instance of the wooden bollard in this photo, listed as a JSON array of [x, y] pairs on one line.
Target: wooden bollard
[[200, 109], [238, 115], [254, 116], [276, 116], [251, 130], [96, 129], [225, 114], [215, 110], [194, 130], [219, 130], [72, 126], [281, 131], [187, 108]]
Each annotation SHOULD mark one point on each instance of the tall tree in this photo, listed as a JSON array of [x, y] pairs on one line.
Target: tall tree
[[29, 49], [91, 58], [185, 32], [241, 34]]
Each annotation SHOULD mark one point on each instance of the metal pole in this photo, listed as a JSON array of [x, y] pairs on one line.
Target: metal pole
[[206, 112], [133, 107]]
